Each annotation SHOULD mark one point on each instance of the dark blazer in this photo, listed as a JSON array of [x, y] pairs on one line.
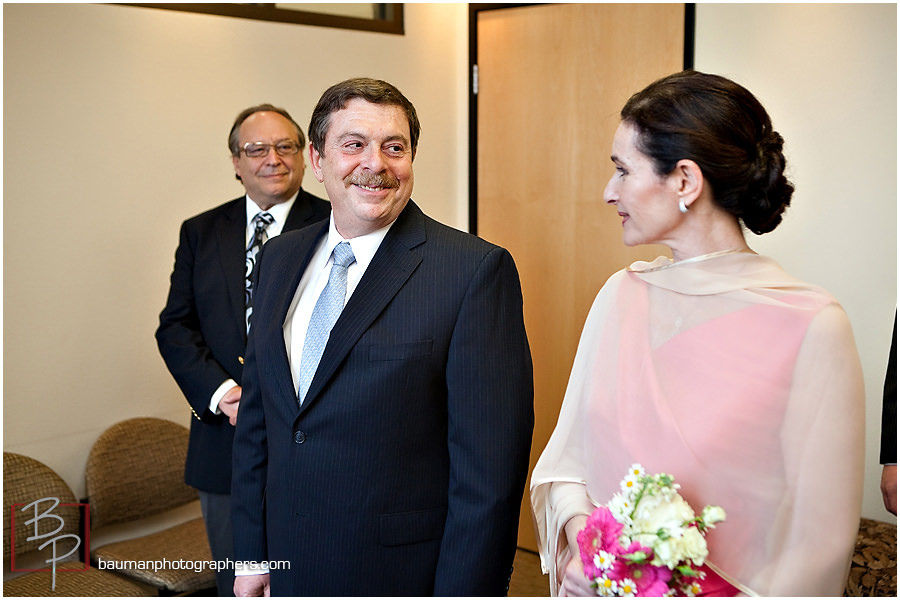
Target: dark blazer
[[403, 472], [889, 405], [201, 332]]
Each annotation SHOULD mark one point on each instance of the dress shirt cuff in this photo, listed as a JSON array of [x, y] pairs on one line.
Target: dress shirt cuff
[[250, 568], [219, 394]]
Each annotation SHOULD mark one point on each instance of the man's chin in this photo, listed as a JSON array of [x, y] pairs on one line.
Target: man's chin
[[280, 194]]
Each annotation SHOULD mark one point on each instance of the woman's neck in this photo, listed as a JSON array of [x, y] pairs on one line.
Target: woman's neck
[[708, 232]]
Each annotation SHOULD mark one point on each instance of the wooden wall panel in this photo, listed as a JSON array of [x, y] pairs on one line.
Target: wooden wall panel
[[552, 79]]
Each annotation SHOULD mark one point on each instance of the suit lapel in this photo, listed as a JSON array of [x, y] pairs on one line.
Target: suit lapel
[[230, 233], [290, 270], [390, 268]]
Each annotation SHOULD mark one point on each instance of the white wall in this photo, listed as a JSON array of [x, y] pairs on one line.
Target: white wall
[[115, 127], [827, 74], [115, 121]]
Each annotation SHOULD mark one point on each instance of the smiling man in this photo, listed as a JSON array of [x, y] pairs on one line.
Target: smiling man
[[202, 331], [382, 451]]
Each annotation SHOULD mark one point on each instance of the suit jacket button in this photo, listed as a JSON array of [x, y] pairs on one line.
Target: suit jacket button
[[299, 437]]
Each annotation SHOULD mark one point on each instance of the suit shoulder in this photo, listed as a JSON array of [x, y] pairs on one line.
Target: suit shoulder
[[228, 208], [459, 249], [307, 209], [315, 201], [459, 240], [295, 238]]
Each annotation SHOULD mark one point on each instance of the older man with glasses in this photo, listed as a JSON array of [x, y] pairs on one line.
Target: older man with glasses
[[203, 328]]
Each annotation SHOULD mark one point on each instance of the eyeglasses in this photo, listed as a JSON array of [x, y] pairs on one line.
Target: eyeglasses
[[259, 149]]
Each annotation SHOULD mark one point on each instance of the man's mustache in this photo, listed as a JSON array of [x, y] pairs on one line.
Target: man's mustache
[[376, 180]]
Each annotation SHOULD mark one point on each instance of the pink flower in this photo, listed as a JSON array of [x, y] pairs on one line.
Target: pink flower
[[600, 535], [606, 530], [649, 580]]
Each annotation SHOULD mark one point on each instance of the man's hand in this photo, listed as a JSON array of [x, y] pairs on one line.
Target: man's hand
[[251, 585], [229, 404], [889, 487]]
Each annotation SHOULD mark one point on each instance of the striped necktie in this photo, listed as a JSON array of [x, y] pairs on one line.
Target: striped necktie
[[260, 222]]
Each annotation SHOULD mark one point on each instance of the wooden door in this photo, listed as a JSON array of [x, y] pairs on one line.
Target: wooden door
[[551, 81]]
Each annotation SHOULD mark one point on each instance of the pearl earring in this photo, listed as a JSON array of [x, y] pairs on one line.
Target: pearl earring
[[682, 206]]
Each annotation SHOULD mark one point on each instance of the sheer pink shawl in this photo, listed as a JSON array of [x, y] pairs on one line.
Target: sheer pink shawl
[[743, 383]]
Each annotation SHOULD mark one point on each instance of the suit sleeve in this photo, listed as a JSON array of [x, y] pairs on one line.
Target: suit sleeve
[[180, 340], [250, 459], [490, 422]]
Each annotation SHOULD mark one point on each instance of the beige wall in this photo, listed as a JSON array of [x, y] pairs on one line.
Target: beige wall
[[827, 74], [115, 121]]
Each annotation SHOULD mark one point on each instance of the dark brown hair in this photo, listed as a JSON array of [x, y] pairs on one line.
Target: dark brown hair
[[375, 91]]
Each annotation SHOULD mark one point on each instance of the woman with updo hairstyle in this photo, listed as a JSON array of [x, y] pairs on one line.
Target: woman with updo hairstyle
[[714, 366]]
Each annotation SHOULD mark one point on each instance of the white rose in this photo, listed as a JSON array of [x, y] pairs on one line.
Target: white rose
[[712, 515], [655, 513], [689, 545], [664, 554], [692, 546]]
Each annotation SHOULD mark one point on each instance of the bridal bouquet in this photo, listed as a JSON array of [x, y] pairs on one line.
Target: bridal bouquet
[[647, 541]]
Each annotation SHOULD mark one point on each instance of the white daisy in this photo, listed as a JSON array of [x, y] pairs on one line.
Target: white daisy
[[627, 589], [604, 560], [692, 589], [606, 586]]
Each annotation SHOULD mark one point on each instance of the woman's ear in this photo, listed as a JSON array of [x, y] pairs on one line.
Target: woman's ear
[[688, 180]]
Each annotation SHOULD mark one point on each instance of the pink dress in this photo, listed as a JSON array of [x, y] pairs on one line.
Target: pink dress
[[744, 384]]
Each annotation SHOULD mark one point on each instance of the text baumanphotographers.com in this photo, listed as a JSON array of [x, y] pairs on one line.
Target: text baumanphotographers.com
[[197, 566]]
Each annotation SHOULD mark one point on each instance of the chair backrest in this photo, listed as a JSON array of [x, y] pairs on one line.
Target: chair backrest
[[136, 469], [26, 480]]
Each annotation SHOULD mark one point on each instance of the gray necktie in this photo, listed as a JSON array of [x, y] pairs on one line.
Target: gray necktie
[[260, 222], [324, 315]]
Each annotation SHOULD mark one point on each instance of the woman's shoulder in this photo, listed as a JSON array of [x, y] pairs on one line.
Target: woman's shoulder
[[830, 323]]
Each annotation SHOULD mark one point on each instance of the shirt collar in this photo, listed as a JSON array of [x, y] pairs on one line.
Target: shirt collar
[[364, 247], [279, 212]]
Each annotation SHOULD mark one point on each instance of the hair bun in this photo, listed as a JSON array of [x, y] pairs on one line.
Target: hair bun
[[768, 190]]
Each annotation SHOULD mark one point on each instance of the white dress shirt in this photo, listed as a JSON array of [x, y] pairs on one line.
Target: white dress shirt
[[314, 280], [279, 212]]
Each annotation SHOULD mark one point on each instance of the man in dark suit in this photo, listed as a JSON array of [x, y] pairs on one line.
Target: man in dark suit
[[399, 469], [202, 331]]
